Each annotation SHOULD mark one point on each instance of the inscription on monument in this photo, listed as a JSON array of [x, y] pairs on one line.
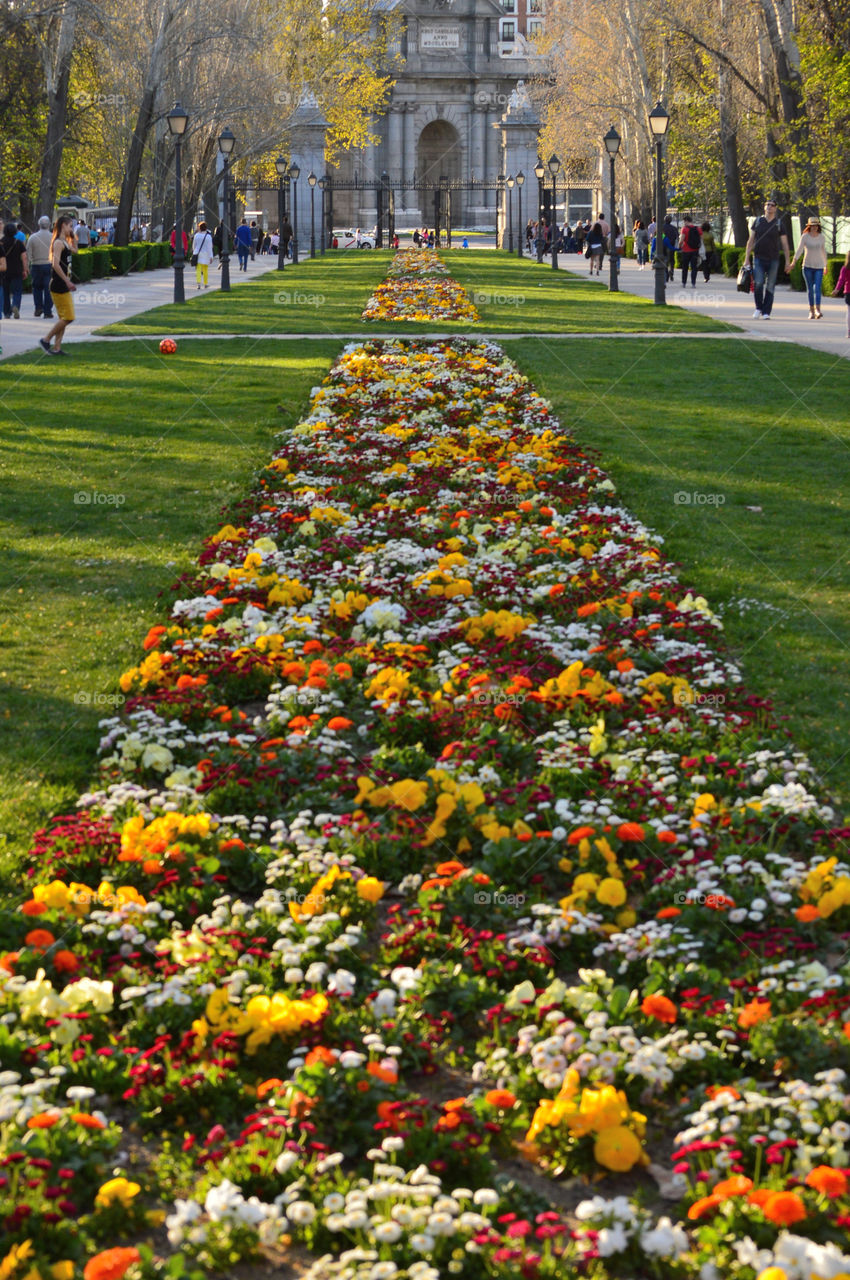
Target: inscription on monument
[[439, 38]]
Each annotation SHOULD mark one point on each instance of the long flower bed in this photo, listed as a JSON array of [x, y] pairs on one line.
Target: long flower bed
[[418, 287], [435, 833]]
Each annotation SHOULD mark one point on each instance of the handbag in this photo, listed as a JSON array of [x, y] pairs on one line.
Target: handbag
[[587, 252], [194, 259], [745, 279]]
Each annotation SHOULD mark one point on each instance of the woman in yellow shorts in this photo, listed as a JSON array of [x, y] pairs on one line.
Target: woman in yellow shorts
[[61, 285]]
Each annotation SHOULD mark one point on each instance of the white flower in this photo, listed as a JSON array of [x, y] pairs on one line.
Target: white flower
[[351, 1058], [387, 1232], [611, 1240], [422, 1243], [285, 1161], [342, 983], [302, 1213], [486, 1196], [333, 1202]]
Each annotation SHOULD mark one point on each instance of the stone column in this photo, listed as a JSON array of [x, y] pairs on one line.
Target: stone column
[[412, 212], [394, 149], [477, 212]]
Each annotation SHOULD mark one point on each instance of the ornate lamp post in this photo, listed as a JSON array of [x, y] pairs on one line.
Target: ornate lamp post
[[177, 120], [312, 179], [538, 173], [520, 230], [554, 166], [509, 183], [226, 143], [322, 181], [500, 179], [294, 175], [280, 165], [658, 122], [612, 146]]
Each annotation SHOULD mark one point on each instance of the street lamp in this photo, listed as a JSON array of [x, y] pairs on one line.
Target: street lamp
[[312, 179], [538, 173], [612, 146], [658, 122], [294, 175], [322, 182], [280, 165], [510, 185], [554, 169], [500, 182], [177, 120], [520, 179], [226, 143]]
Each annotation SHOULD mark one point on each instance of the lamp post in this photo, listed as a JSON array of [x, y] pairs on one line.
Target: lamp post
[[658, 122], [509, 182], [538, 173], [502, 217], [312, 179], [280, 165], [520, 180], [554, 166], [177, 120], [294, 174], [322, 181], [612, 146], [226, 142]]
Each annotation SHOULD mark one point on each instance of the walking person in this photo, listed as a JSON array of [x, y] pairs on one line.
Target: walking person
[[595, 250], [689, 246], [286, 235], [17, 269], [243, 244], [642, 239], [709, 251], [812, 249], [669, 240], [202, 254], [61, 284], [38, 255], [842, 287], [766, 239]]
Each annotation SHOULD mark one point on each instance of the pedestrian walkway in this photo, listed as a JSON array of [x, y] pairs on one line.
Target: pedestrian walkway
[[102, 302], [719, 298]]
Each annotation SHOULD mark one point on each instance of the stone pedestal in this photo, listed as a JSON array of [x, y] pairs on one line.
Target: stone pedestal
[[307, 133]]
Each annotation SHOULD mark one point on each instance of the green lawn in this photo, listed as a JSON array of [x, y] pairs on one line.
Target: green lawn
[[157, 446], [327, 295], [751, 426]]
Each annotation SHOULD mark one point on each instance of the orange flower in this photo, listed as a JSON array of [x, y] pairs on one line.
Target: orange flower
[[382, 1073], [454, 1104], [501, 1098], [44, 1120], [737, 1185], [828, 1181], [267, 1086], [667, 837], [321, 1053], [714, 1089], [760, 1196], [668, 913], [449, 1121], [807, 913], [152, 638], [41, 939], [753, 1013], [87, 1121], [701, 1207], [580, 833], [112, 1264], [33, 908], [9, 960], [630, 831], [784, 1208], [659, 1007], [65, 962], [449, 868], [338, 723], [585, 610]]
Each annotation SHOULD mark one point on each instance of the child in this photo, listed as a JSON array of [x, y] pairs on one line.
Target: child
[[465, 243], [842, 284]]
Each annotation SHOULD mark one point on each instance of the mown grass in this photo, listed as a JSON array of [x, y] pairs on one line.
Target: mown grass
[[741, 426], [177, 439], [327, 295]]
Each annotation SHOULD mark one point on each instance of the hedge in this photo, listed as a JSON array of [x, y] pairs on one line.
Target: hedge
[[82, 266], [120, 255], [101, 261], [731, 255]]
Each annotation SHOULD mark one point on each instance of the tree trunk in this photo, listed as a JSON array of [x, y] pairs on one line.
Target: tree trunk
[[57, 74], [729, 143], [778, 20], [134, 166]]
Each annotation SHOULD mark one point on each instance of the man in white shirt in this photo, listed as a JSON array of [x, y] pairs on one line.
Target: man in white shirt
[[83, 236], [38, 255]]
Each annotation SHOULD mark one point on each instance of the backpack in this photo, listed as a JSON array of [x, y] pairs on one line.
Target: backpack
[[694, 240]]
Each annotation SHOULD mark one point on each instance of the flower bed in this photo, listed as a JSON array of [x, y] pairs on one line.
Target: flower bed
[[436, 829], [418, 288]]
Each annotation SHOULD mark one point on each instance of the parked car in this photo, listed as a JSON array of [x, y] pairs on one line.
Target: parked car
[[348, 239]]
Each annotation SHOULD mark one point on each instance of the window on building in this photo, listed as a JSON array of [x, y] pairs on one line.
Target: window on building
[[508, 31], [535, 6], [509, 6], [534, 28]]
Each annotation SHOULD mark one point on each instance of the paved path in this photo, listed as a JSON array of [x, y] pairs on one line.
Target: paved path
[[721, 300], [102, 302]]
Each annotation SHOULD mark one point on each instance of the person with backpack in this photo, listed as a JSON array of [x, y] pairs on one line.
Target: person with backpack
[[202, 254], [641, 238], [243, 244], [669, 240], [689, 246], [763, 246]]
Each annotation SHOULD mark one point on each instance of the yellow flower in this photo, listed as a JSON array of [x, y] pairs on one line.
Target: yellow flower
[[611, 892], [117, 1191], [370, 889], [617, 1148], [62, 1270], [17, 1253]]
